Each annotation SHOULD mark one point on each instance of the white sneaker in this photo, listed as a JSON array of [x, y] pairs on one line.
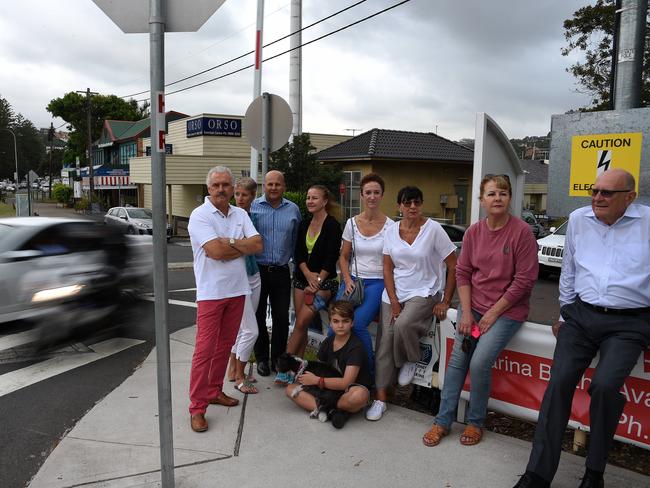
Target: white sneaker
[[406, 374], [376, 410]]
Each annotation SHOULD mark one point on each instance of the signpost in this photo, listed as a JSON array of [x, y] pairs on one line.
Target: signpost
[[268, 124], [156, 17]]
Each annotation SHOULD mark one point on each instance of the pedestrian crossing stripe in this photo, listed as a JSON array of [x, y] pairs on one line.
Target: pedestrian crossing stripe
[[21, 378]]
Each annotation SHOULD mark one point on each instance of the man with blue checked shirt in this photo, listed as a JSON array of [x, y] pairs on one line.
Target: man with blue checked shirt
[[277, 221]]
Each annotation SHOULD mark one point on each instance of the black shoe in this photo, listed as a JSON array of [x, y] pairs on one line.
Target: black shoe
[[338, 418], [592, 479], [531, 480], [263, 368]]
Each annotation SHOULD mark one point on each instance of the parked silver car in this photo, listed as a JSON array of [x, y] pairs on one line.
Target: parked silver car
[[133, 220], [63, 274]]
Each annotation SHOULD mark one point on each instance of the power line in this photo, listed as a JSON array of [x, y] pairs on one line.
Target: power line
[[288, 50], [251, 52]]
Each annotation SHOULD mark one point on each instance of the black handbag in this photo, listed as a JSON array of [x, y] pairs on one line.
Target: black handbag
[[356, 296]]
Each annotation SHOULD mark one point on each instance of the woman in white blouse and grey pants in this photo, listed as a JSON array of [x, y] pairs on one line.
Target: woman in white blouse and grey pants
[[414, 251]]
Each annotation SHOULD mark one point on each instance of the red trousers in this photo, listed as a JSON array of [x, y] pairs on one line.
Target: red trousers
[[217, 324]]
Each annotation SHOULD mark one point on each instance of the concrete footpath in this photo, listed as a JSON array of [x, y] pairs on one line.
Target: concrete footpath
[[267, 441]]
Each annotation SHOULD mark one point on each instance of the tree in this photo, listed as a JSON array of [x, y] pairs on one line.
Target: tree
[[591, 30], [72, 108], [297, 160], [30, 144]]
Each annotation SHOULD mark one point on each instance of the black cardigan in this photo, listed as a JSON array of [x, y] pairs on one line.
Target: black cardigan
[[326, 249]]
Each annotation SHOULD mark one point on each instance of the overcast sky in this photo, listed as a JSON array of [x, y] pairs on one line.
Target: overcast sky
[[425, 65]]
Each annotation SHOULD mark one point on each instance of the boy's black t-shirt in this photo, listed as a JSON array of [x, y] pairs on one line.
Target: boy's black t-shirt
[[352, 354]]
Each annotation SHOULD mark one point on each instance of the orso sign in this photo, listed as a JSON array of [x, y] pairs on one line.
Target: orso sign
[[213, 126]]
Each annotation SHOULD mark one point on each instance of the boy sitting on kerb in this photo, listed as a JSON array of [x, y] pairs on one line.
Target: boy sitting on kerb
[[345, 352]]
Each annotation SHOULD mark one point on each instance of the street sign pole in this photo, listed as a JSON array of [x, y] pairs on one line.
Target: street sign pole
[[266, 131], [155, 18], [257, 80], [157, 73]]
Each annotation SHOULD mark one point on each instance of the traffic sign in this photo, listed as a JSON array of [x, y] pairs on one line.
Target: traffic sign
[[132, 16], [281, 122]]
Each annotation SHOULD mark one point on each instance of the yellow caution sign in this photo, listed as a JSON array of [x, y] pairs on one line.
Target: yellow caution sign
[[593, 154]]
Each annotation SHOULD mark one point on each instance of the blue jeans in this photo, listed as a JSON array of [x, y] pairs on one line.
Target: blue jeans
[[479, 361], [364, 314]]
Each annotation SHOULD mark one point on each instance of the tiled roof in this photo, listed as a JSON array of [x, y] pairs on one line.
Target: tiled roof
[[134, 129], [535, 171], [397, 144]]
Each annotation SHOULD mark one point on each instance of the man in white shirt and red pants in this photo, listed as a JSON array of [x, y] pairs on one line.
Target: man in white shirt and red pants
[[221, 235], [605, 308]]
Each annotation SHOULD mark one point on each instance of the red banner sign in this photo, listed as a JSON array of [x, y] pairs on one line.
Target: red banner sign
[[520, 379]]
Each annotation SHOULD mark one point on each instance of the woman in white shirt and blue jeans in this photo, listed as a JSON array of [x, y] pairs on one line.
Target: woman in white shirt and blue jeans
[[369, 228]]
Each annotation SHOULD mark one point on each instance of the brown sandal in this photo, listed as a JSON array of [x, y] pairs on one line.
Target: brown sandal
[[435, 435], [471, 436]]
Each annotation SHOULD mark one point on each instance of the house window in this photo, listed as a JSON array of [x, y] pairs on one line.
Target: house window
[[127, 151], [351, 199]]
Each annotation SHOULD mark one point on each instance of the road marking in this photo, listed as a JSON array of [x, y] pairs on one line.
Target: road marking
[[182, 303], [15, 340], [20, 378]]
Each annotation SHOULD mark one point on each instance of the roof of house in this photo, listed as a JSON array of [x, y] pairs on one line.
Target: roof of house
[[121, 130], [397, 144], [535, 171]]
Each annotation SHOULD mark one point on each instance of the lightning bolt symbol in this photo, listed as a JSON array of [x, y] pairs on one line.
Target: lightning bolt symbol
[[603, 161]]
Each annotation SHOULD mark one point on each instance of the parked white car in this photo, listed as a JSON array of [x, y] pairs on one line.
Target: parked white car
[[550, 250]]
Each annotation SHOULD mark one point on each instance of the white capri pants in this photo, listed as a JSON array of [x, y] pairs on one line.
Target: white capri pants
[[248, 330]]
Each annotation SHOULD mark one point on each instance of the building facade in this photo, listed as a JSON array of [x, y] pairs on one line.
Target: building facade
[[441, 168]]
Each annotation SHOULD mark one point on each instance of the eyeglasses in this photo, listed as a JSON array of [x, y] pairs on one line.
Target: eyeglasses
[[409, 203], [606, 193]]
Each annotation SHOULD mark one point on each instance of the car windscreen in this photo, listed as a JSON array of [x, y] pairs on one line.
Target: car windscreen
[[5, 232], [139, 213], [561, 230]]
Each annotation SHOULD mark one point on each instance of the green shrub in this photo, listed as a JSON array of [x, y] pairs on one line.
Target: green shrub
[[62, 193], [82, 204], [299, 198]]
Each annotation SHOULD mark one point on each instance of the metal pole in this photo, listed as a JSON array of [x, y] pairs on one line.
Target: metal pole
[[51, 137], [295, 67], [157, 72], [629, 62], [257, 81], [266, 131], [90, 149]]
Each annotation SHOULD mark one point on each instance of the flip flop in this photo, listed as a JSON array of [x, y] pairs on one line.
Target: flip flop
[[246, 387]]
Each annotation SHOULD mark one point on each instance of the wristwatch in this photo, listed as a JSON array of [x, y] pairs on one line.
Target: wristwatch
[[231, 242]]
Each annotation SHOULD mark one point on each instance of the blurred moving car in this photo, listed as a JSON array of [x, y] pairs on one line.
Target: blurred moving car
[[65, 274], [550, 251], [133, 220]]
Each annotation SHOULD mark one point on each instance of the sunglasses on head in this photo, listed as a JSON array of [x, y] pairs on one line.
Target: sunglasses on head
[[606, 193]]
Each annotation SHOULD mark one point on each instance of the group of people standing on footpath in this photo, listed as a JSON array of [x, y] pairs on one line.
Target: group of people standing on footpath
[[409, 272]]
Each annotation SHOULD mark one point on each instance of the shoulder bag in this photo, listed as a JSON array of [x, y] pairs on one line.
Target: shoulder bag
[[355, 297]]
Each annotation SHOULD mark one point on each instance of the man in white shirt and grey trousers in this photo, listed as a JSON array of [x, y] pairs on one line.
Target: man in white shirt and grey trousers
[[605, 308]]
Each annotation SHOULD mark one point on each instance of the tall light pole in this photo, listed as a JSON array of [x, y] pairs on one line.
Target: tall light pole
[[15, 153]]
